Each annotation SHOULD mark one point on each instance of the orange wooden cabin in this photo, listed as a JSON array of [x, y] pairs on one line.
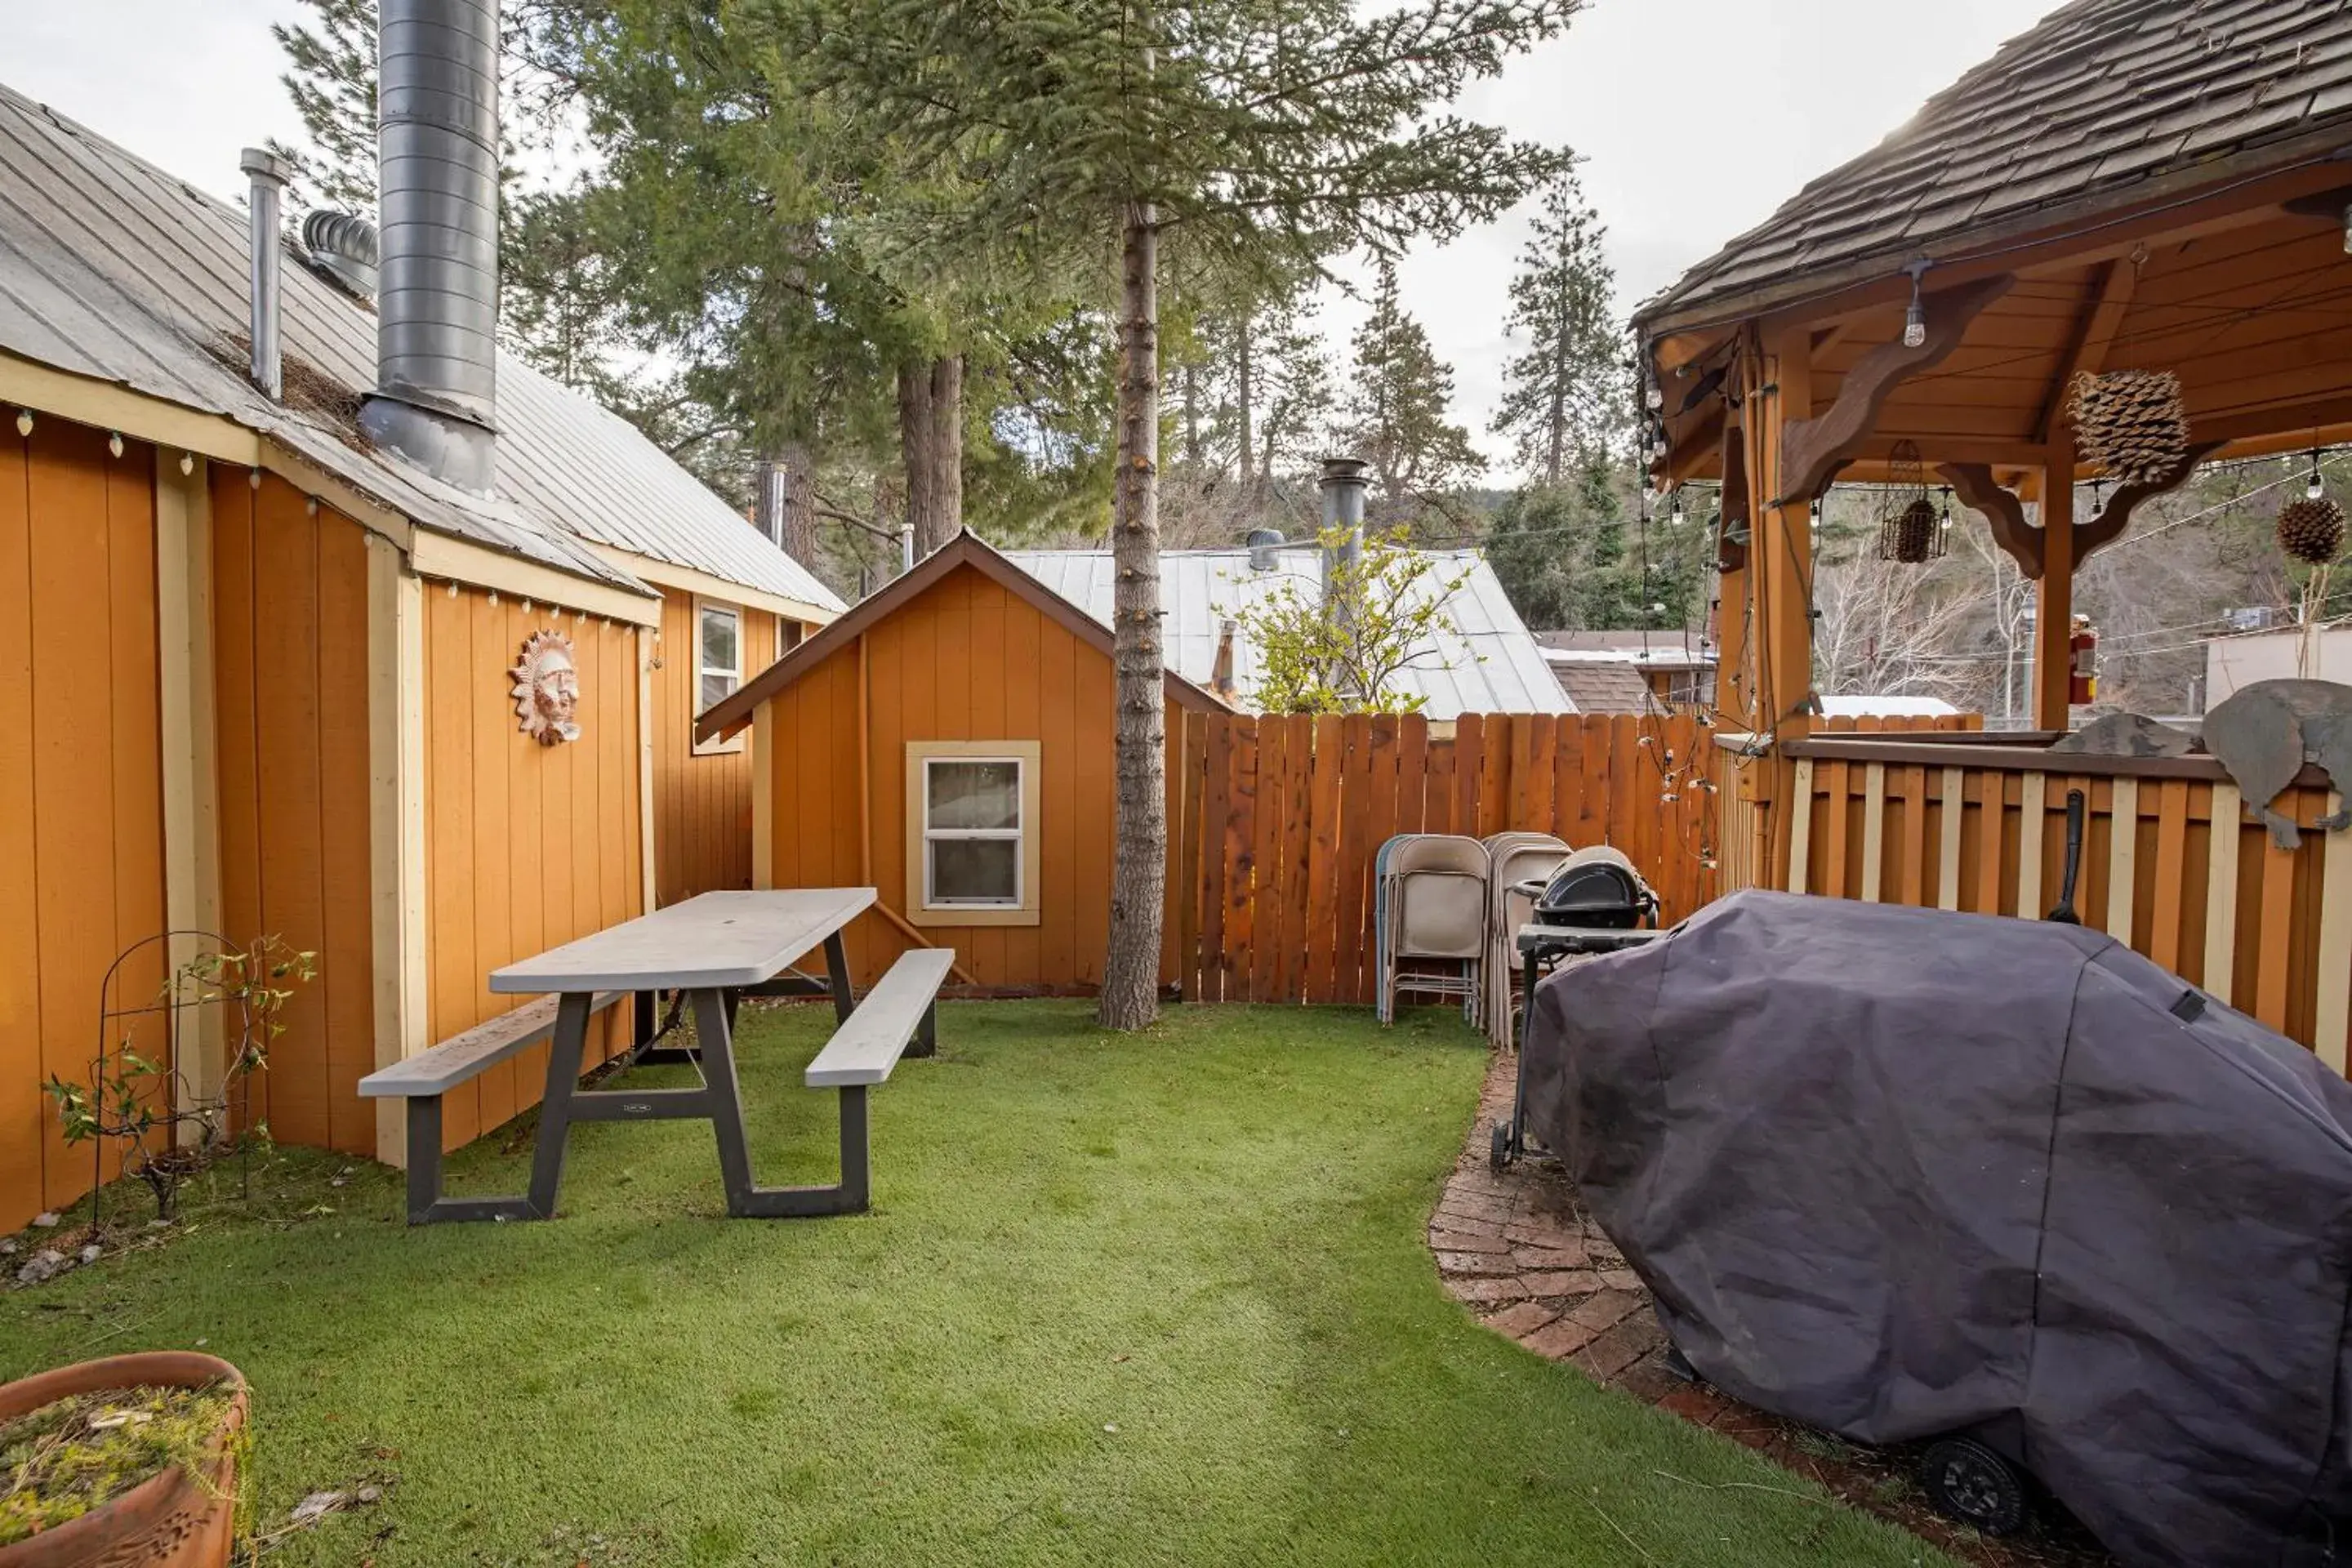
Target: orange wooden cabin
[[948, 742], [2124, 187], [258, 669]]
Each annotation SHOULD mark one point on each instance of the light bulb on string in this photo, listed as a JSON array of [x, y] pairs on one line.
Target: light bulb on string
[[1675, 512], [1915, 320], [1948, 507], [2316, 486]]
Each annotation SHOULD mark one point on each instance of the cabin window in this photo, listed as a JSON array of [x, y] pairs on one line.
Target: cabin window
[[718, 664], [973, 832]]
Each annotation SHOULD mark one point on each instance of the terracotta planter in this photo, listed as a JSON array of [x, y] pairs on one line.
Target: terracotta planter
[[166, 1521]]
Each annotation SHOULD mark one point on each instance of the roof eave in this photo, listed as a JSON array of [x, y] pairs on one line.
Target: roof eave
[[2049, 226]]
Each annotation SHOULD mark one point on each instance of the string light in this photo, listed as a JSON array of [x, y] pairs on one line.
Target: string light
[[188, 464], [2315, 486], [114, 443], [253, 478], [1915, 320], [23, 422], [1675, 513], [1947, 508]]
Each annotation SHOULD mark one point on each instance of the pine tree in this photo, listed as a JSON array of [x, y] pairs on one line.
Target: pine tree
[[1251, 138], [1398, 417], [1568, 395], [331, 75]]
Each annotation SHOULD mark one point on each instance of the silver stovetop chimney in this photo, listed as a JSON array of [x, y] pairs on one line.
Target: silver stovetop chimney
[[438, 297], [267, 174]]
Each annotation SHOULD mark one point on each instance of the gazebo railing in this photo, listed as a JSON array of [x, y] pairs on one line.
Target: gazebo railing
[[2171, 863]]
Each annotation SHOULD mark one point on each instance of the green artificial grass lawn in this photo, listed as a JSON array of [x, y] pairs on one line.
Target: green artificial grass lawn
[[1154, 1300]]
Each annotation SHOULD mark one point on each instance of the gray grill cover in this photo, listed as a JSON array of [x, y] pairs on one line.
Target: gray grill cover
[[1897, 1172]]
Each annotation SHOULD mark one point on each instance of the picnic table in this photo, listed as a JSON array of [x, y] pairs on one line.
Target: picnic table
[[714, 950]]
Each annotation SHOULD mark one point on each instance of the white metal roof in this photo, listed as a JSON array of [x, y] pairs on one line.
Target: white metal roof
[[1886, 708], [1484, 662], [113, 270]]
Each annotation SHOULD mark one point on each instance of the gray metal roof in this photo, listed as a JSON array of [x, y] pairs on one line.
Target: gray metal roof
[[1486, 662], [2095, 102], [113, 270]]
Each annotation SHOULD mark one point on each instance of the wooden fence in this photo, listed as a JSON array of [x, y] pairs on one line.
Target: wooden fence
[[1277, 821], [1281, 818]]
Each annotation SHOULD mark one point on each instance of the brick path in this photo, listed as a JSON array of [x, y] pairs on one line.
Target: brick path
[[1517, 1250]]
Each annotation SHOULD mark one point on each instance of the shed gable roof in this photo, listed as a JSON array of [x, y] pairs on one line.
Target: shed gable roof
[[113, 270], [966, 548], [2090, 107]]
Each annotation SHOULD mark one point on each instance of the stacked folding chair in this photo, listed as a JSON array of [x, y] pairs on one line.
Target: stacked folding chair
[[1430, 908], [1512, 859]]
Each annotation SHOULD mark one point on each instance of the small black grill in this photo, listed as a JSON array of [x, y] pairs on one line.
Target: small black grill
[[1595, 889]]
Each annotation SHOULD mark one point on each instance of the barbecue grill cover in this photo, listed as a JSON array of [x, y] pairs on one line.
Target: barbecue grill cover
[[1897, 1173]]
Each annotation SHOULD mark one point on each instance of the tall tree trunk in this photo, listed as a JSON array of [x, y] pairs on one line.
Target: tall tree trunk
[[930, 447], [766, 499], [1192, 423], [947, 449], [917, 437], [1131, 988], [796, 514], [1244, 392]]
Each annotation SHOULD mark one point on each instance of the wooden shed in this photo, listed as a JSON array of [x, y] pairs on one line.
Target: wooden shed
[[261, 670], [948, 742]]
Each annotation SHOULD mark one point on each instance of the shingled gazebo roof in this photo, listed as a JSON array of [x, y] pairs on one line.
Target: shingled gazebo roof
[[2105, 104]]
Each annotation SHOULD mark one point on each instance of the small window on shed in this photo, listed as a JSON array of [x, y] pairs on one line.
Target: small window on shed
[[718, 664], [973, 832]]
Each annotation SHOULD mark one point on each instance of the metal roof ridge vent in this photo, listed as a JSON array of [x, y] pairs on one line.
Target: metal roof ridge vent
[[1265, 544], [436, 400], [264, 223], [343, 246]]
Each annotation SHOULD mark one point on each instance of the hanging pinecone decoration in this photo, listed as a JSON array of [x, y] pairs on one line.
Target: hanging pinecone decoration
[[2131, 423], [1910, 529], [2312, 530], [1916, 533]]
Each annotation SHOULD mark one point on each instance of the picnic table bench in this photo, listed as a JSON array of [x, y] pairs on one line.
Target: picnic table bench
[[713, 950]]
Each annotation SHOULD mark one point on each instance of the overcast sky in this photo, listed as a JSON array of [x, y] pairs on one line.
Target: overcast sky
[[1696, 119]]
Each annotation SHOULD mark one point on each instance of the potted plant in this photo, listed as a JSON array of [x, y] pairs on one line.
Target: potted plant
[[129, 1462]]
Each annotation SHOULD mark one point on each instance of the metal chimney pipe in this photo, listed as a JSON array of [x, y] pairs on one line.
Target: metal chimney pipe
[[436, 400], [267, 174], [1343, 484]]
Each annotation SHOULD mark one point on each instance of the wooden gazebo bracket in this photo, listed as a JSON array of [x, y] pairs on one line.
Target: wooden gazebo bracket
[[1980, 491], [1814, 450]]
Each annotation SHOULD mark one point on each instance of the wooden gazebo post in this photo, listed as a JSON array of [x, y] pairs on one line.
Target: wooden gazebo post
[[2053, 595]]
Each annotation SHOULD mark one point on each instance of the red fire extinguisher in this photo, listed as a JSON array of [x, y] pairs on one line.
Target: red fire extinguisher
[[2083, 674]]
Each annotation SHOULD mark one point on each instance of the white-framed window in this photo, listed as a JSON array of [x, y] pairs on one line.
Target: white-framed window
[[718, 664], [973, 832]]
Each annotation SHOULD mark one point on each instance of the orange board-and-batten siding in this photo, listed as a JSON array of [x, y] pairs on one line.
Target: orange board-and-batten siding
[[702, 804], [964, 660], [525, 846], [290, 638], [81, 816]]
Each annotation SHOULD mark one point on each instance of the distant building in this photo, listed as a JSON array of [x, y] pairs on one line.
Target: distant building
[[1484, 660], [2233, 663], [1631, 671]]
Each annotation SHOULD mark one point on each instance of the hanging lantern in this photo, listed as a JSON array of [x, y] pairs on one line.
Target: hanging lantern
[[2131, 423], [1910, 527]]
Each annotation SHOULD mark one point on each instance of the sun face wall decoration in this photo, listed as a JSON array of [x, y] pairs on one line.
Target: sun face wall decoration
[[547, 689]]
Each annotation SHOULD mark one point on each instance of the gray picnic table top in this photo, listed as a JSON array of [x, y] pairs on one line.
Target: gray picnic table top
[[710, 943]]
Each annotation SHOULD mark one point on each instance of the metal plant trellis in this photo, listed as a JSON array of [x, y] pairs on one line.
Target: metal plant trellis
[[238, 981], [1910, 529]]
